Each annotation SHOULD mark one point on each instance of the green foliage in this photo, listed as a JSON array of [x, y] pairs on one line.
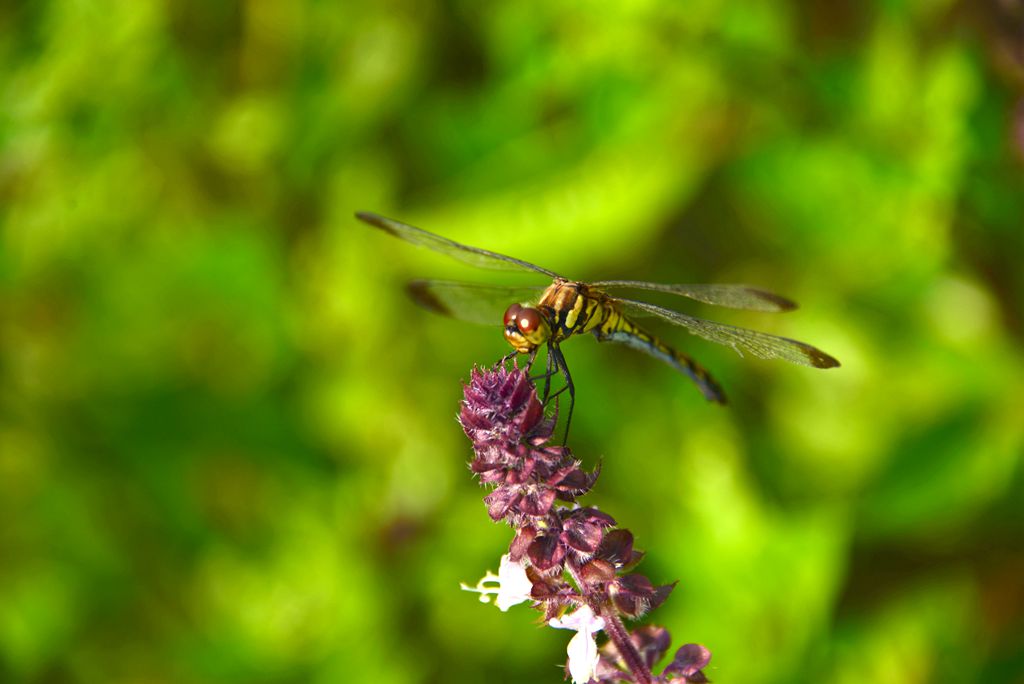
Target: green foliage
[[227, 446]]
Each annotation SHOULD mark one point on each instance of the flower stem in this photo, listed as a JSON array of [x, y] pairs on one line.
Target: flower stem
[[617, 632], [619, 635]]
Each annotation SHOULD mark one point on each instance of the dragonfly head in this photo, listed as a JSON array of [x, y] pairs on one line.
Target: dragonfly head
[[525, 328]]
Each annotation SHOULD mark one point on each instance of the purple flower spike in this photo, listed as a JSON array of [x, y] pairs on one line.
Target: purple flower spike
[[505, 420], [569, 561]]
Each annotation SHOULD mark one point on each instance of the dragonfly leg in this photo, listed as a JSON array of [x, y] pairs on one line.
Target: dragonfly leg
[[546, 375], [555, 363], [507, 357], [560, 364]]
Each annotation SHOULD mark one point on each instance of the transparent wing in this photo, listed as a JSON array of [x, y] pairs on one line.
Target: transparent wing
[[732, 296], [471, 302], [759, 344], [474, 256]]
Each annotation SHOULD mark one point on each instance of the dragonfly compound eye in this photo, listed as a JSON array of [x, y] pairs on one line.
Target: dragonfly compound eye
[[528, 320], [511, 313]]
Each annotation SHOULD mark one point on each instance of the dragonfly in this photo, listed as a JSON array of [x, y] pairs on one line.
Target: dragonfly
[[545, 316]]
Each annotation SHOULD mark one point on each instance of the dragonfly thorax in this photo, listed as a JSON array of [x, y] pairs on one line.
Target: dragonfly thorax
[[526, 328]]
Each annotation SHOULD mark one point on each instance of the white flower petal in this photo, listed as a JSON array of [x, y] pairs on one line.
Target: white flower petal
[[510, 586], [583, 657], [582, 650], [515, 586], [582, 619]]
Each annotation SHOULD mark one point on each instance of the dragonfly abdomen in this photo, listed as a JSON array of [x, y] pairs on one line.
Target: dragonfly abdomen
[[617, 328]]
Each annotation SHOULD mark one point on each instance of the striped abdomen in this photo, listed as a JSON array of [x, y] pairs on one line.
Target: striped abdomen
[[615, 327]]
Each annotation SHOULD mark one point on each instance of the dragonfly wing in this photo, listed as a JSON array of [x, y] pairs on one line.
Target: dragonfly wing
[[759, 344], [470, 302], [473, 256], [732, 296]]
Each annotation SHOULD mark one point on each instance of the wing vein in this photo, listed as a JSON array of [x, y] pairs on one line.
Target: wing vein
[[761, 345], [474, 256]]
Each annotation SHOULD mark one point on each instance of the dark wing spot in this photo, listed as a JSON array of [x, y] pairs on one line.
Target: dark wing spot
[[777, 301], [818, 358], [420, 293], [376, 221]]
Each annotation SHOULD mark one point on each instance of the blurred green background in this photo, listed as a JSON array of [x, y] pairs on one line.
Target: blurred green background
[[227, 441]]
